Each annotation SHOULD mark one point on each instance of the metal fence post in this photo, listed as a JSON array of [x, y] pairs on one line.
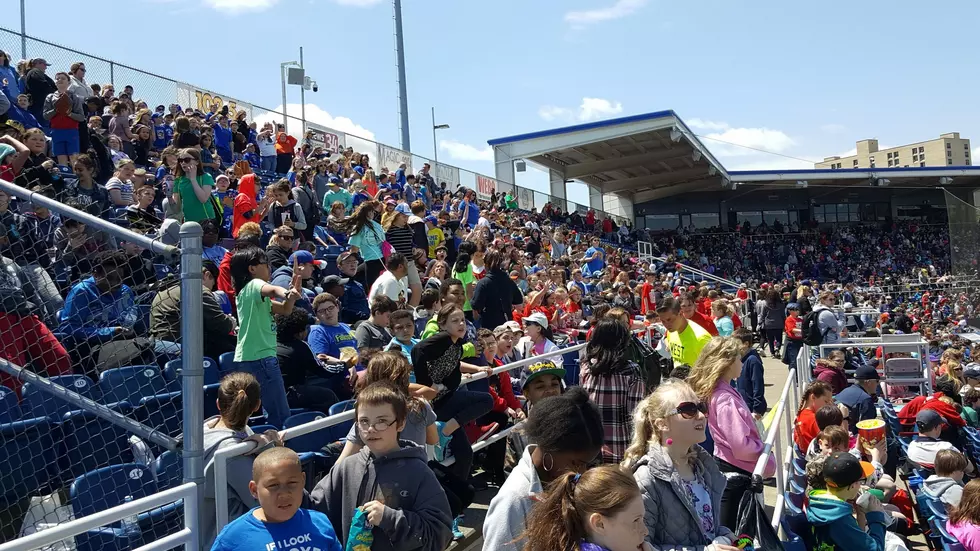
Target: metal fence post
[[192, 359], [112, 73]]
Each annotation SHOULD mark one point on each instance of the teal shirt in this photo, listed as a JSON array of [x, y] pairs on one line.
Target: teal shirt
[[369, 240], [341, 195]]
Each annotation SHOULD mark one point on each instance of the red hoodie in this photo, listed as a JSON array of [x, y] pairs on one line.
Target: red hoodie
[[907, 415], [244, 204]]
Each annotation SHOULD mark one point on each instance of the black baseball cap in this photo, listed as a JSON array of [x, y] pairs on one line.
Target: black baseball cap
[[866, 373], [928, 419], [332, 280], [843, 469]]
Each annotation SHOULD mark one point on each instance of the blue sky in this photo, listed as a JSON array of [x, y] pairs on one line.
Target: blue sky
[[780, 76]]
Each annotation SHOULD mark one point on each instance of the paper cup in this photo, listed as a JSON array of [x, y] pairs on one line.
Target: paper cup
[[871, 431]]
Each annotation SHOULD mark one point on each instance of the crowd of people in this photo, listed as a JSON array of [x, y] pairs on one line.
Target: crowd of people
[[328, 278]]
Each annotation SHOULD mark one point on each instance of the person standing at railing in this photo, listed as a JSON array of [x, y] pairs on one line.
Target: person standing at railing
[[285, 149], [680, 483], [684, 339], [794, 334], [737, 441]]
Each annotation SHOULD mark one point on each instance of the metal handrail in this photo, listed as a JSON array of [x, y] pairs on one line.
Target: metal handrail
[[186, 492], [222, 456], [773, 445]]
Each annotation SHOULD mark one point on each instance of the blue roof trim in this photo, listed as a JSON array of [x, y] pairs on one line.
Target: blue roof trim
[[581, 127], [845, 172]]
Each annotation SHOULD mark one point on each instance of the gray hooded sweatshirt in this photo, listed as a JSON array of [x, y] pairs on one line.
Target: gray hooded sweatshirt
[[943, 488], [507, 517], [417, 512], [240, 499], [671, 520]]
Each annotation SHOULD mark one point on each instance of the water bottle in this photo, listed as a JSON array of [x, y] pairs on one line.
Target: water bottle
[[131, 523]]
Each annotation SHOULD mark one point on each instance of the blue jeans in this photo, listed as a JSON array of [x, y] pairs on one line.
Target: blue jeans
[[267, 163], [464, 406], [269, 376]]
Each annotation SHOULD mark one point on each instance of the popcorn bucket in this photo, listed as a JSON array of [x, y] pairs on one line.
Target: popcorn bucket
[[871, 431]]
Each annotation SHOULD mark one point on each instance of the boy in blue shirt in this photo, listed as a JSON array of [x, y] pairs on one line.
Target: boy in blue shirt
[[403, 333], [278, 523], [163, 134]]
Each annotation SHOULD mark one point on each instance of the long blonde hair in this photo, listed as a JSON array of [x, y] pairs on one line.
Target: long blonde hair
[[714, 362], [658, 405]]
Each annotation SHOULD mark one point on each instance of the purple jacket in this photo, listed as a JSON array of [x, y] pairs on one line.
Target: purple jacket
[[733, 429]]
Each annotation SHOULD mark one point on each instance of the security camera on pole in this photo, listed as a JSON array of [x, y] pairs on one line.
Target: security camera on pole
[[292, 72]]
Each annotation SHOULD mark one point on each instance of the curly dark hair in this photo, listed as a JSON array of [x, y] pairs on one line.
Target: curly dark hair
[[568, 422]]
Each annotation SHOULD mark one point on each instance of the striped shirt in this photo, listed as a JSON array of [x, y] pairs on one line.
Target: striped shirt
[[400, 240]]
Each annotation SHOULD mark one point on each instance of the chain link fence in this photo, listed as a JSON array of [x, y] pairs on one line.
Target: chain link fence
[[159, 90], [92, 390]]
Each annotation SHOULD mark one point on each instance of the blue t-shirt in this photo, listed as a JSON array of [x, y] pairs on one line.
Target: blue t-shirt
[[222, 138], [473, 215], [330, 340], [306, 530], [162, 136], [596, 263]]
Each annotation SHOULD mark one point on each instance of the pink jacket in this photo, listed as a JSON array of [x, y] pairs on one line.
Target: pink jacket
[[733, 430], [968, 534]]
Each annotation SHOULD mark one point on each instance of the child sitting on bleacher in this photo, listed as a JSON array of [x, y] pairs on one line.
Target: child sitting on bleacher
[[544, 379], [964, 519], [816, 396], [827, 416], [947, 484], [278, 522], [970, 397], [389, 481], [829, 509], [402, 331], [922, 451]]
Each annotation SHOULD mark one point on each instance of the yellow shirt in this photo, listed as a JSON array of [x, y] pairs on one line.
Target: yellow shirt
[[685, 347], [436, 237]]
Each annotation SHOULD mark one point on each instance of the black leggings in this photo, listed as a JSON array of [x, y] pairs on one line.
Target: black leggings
[[775, 339], [368, 272]]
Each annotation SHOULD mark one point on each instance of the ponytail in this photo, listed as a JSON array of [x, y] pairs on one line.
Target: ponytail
[[560, 520], [239, 396], [816, 388]]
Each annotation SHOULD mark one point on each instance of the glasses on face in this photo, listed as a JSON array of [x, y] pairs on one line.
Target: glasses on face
[[286, 237], [325, 309], [689, 410], [379, 426], [187, 160]]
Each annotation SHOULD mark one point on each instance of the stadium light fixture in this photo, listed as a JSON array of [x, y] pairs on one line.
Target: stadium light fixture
[[696, 155], [675, 135], [945, 181], [435, 148]]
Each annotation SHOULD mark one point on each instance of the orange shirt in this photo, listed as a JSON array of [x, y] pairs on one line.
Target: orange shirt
[[806, 429], [285, 144]]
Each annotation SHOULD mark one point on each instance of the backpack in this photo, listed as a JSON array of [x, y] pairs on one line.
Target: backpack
[[812, 335], [312, 215]]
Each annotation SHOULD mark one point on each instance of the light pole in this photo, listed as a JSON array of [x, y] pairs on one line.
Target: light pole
[[282, 73], [23, 30], [305, 84], [435, 147]]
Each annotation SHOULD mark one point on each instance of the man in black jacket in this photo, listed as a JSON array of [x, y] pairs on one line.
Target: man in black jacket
[[38, 85]]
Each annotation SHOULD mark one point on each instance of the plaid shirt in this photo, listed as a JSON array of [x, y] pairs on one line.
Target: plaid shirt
[[616, 395]]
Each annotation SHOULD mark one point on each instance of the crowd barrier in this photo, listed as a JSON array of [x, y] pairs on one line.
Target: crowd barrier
[[223, 455], [779, 443]]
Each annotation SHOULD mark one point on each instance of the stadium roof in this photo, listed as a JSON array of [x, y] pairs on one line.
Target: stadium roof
[[656, 155], [649, 156]]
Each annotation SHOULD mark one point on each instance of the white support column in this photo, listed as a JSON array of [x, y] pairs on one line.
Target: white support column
[[503, 167], [618, 205], [558, 192], [595, 197]]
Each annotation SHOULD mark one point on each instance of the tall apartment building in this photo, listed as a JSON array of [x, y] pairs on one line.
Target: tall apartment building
[[947, 150]]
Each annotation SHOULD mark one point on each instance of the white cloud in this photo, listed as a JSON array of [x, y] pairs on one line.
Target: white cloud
[[235, 6], [465, 152], [732, 141], [706, 125], [833, 128], [590, 109], [585, 18], [317, 115]]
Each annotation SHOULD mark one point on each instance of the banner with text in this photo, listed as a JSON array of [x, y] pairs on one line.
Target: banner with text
[[485, 187], [203, 100], [525, 198], [391, 158], [328, 139], [449, 175]]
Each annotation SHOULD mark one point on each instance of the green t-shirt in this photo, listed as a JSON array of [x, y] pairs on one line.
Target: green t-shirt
[[257, 329], [685, 347], [510, 201], [192, 209], [466, 278], [970, 416]]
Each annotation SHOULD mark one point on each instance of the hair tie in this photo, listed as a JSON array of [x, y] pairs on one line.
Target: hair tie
[[576, 477]]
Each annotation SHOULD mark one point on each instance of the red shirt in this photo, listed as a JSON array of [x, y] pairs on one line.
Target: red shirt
[[224, 282], [742, 294], [503, 393], [790, 325], [806, 429], [646, 298], [736, 321], [26, 340], [705, 323]]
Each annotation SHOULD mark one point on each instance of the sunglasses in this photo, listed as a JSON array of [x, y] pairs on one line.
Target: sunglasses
[[187, 160], [689, 410]]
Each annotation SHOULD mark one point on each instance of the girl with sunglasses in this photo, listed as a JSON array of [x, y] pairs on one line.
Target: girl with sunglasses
[[192, 187], [679, 482], [737, 442]]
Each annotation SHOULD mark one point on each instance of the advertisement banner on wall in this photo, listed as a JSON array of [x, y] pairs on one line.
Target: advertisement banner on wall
[[485, 187], [203, 100], [525, 198], [391, 158], [326, 138], [447, 174]]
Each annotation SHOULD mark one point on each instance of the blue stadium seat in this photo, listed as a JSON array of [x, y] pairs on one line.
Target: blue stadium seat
[[948, 542], [937, 509], [29, 455], [224, 301], [314, 441], [259, 429], [172, 371], [108, 487], [794, 502], [211, 400], [162, 270], [38, 403], [163, 412], [91, 442], [9, 406], [168, 470], [226, 363], [133, 383], [341, 407]]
